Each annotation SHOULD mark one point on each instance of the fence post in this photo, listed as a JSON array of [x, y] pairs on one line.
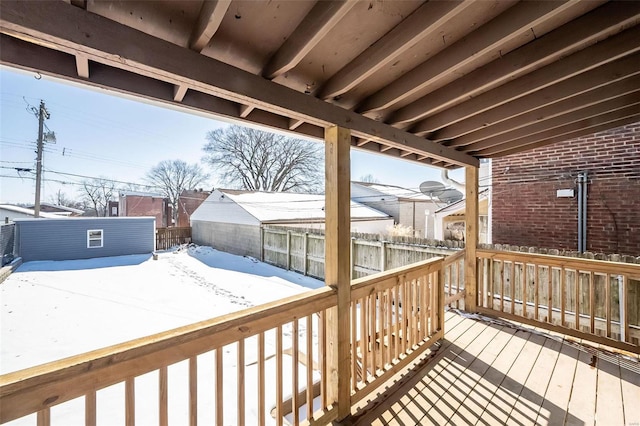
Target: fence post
[[305, 250], [383, 256], [288, 250]]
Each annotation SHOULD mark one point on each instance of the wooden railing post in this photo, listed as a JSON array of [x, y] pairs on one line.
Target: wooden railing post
[[337, 266], [471, 238]]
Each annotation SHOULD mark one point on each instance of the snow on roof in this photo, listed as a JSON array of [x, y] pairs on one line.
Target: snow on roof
[[65, 208], [279, 206], [396, 191], [141, 194], [29, 212]]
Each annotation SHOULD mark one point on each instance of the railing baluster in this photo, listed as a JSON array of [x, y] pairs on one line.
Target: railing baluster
[[193, 391], [405, 314], [43, 418], [363, 339], [354, 344], [549, 295], [310, 366], [130, 401], [513, 287], [261, 385], [414, 312], [607, 298], [163, 396], [90, 408], [525, 293], [491, 285], [322, 345], [563, 296], [624, 310], [502, 271], [396, 326], [577, 291], [536, 292], [279, 411], [389, 332], [219, 387], [592, 303], [381, 317], [241, 410], [294, 373], [372, 332]]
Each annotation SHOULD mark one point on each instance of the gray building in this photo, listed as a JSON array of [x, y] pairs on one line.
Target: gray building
[[84, 238]]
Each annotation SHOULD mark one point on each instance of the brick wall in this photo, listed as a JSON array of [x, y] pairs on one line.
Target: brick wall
[[527, 212], [188, 202], [137, 205]]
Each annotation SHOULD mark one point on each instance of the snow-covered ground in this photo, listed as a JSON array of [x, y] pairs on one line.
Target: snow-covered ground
[[51, 310]]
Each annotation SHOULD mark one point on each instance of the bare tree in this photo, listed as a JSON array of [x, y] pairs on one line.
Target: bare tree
[[61, 199], [369, 179], [174, 176], [261, 161], [97, 193]]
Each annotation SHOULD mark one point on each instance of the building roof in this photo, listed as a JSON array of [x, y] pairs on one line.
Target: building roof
[[286, 206], [441, 83], [396, 191], [458, 207], [141, 194], [61, 208], [30, 212]]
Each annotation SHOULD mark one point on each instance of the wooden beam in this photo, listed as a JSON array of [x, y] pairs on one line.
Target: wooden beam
[[209, 20], [558, 121], [489, 37], [598, 77], [337, 265], [471, 238], [117, 45], [424, 21], [608, 50], [607, 19], [609, 117], [179, 91], [362, 142], [313, 28], [569, 136], [245, 110], [82, 65], [581, 100], [294, 124]]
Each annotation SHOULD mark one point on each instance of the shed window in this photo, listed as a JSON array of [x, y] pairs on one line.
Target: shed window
[[94, 238]]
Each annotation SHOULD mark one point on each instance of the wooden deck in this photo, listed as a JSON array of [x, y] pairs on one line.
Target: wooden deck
[[495, 372]]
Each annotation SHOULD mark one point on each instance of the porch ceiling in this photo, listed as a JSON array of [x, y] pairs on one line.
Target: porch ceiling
[[441, 82]]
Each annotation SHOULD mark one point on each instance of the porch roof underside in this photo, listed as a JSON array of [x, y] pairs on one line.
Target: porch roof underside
[[439, 83]]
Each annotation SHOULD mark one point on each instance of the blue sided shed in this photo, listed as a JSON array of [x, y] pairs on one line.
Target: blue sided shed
[[84, 238]]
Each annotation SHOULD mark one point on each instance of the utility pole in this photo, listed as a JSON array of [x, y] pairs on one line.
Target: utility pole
[[42, 114]]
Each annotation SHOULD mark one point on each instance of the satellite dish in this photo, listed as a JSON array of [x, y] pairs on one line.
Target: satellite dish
[[431, 188], [450, 196]]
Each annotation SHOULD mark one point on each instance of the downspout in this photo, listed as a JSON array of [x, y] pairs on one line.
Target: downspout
[[455, 184], [582, 212]]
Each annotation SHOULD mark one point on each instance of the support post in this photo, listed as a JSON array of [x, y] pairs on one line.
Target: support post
[[471, 238], [337, 266]]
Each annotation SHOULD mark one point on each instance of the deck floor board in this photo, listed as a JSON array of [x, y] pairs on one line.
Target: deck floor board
[[489, 373]]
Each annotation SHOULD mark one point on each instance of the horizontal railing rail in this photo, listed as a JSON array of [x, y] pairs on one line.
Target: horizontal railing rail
[[591, 299], [259, 362]]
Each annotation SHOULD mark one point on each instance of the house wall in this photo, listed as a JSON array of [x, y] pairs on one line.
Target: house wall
[[137, 205], [66, 239], [419, 215], [235, 238], [188, 202], [527, 212]]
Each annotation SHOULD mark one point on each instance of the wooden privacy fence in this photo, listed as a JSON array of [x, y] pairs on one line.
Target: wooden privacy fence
[[591, 299], [243, 367], [303, 252], [169, 237]]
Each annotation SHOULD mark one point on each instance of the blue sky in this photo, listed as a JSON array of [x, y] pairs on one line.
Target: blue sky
[[103, 134]]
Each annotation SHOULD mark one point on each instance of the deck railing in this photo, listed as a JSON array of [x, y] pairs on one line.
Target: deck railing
[[453, 273], [590, 299], [242, 367]]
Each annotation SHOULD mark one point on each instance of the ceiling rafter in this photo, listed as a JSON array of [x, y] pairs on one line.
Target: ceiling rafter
[[557, 121], [209, 20], [614, 47], [607, 19], [567, 89], [608, 117], [503, 28], [317, 24], [82, 66], [424, 21], [592, 97], [578, 133], [117, 45], [179, 91]]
